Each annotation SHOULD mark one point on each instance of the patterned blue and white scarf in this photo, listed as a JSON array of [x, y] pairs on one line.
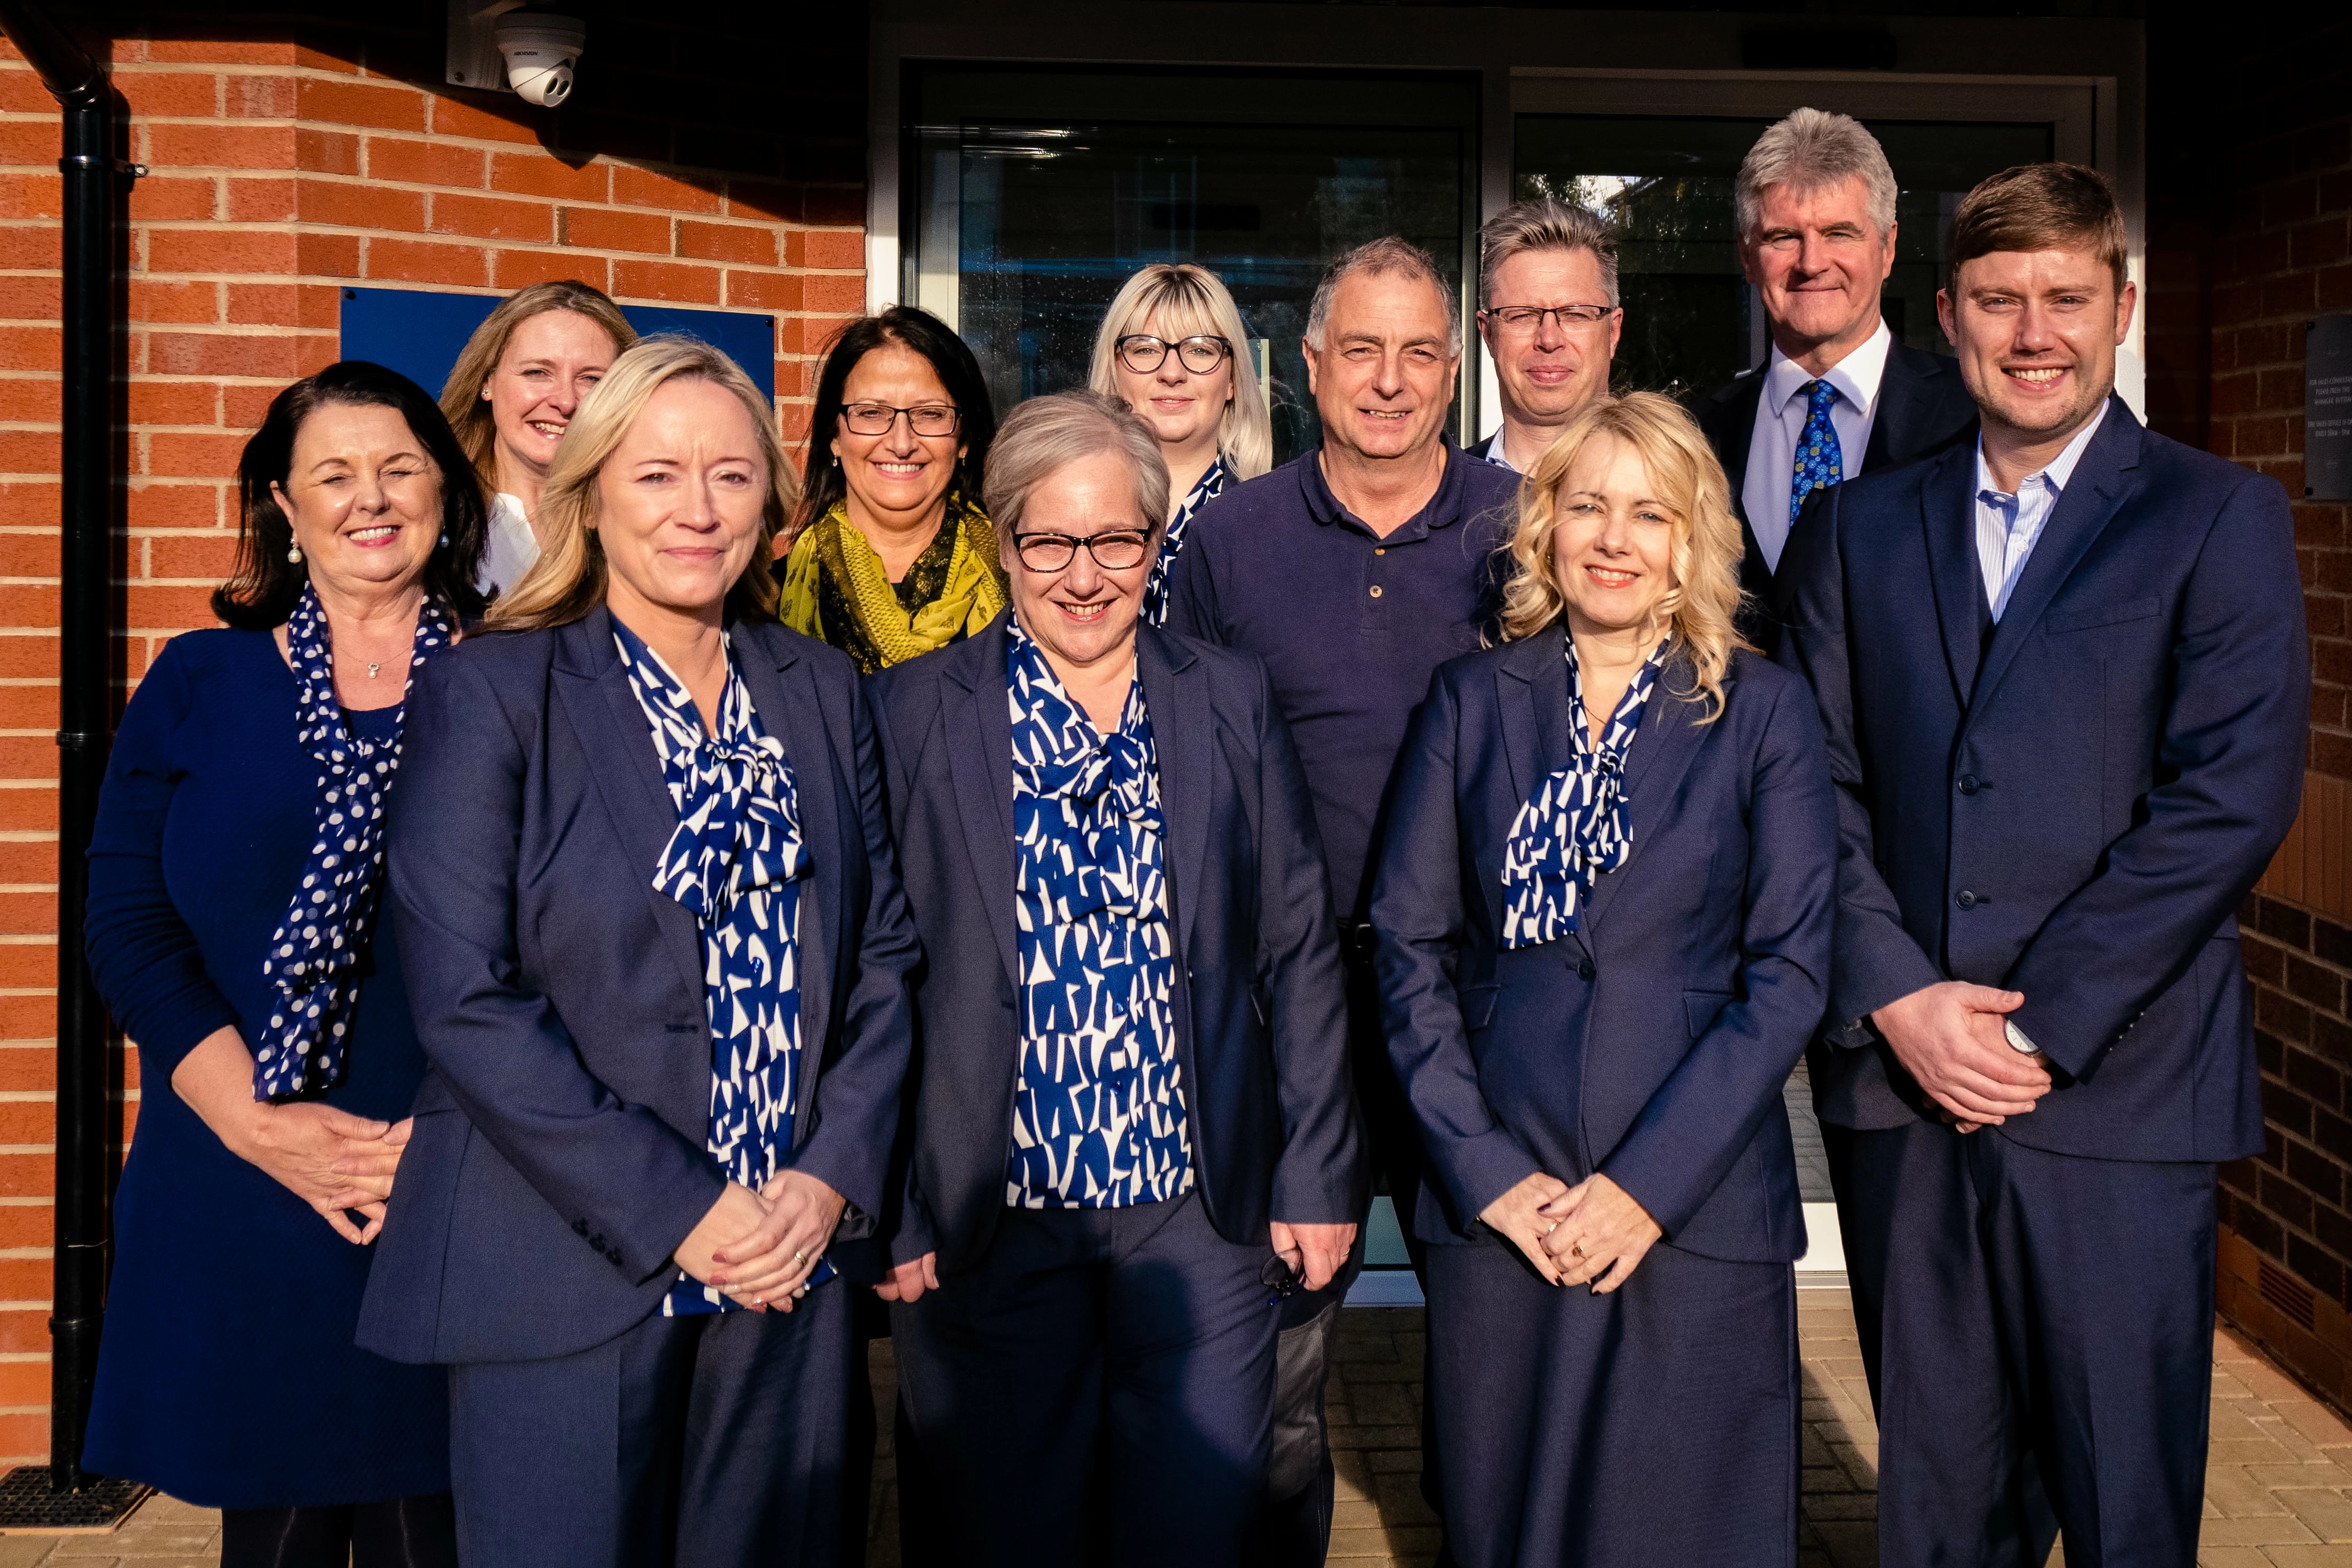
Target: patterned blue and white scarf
[[1099, 1108], [312, 959], [1573, 827], [736, 862], [1155, 588]]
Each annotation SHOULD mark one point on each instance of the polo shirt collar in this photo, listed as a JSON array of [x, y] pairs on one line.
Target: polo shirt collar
[[1444, 508]]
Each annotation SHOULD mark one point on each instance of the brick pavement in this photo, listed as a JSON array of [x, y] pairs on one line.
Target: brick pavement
[[2278, 1489]]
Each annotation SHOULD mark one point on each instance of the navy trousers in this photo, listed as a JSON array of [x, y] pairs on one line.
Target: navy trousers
[[715, 1441], [1654, 1425], [1100, 1387], [2045, 1348]]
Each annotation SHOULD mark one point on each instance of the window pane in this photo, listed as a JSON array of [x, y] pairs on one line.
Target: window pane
[[1028, 224]]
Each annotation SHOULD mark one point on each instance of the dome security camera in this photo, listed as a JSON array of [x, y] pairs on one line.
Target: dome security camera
[[540, 48]]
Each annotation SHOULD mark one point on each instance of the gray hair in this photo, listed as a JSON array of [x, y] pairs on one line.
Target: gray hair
[[1388, 256], [1811, 149], [1544, 223], [1048, 434]]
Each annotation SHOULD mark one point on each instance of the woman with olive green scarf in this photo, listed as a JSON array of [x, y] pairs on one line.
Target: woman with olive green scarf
[[891, 559]]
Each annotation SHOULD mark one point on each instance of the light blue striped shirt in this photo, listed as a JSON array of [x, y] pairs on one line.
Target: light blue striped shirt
[[2009, 525]]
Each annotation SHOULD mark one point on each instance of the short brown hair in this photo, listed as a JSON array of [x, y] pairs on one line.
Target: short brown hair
[[2039, 207]]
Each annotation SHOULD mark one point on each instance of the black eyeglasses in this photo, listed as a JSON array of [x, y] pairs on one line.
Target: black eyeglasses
[[876, 418], [1120, 551], [1143, 353], [1526, 317], [1278, 1277]]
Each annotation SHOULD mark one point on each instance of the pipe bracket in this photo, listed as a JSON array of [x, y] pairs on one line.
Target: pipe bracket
[[75, 160]]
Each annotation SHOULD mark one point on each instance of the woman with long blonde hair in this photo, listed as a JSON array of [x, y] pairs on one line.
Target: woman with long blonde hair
[[512, 395], [1172, 348], [657, 955], [1603, 914]]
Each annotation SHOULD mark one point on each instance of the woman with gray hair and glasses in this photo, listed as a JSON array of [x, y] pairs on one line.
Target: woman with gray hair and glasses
[[1173, 349], [1112, 863]]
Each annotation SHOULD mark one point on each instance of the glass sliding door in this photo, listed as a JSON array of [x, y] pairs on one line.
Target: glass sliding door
[[1038, 193], [1691, 320]]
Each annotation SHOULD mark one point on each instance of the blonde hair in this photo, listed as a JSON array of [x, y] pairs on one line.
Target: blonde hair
[[1700, 602], [568, 579], [462, 402], [1190, 300]]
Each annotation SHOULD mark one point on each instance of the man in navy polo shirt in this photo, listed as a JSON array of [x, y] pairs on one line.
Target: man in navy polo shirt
[[1354, 571]]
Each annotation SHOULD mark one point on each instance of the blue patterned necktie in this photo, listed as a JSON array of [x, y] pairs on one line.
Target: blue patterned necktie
[[1818, 463]]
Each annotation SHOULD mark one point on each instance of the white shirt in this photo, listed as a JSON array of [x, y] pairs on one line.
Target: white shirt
[[1781, 415], [2009, 525], [512, 548]]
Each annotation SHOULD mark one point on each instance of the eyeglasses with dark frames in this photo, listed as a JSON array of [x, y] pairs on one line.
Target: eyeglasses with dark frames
[[1122, 550], [1143, 353], [923, 419], [1278, 1277], [1527, 318]]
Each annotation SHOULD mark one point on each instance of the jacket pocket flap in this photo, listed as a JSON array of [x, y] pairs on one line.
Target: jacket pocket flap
[[2089, 615], [1478, 1005]]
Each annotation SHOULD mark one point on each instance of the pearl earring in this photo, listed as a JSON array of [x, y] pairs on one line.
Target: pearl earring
[[445, 540], [294, 554]]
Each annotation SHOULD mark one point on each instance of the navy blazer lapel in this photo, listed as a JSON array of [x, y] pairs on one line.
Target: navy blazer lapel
[[1654, 764], [979, 761], [1531, 693], [1183, 742], [2100, 481], [1948, 513], [784, 691], [619, 744]]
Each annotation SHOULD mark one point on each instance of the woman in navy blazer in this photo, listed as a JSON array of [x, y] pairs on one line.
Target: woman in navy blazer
[[1603, 911], [1135, 1132], [657, 954]]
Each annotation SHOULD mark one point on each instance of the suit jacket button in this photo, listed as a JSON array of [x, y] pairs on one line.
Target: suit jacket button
[[1968, 785], [1966, 900], [1584, 969]]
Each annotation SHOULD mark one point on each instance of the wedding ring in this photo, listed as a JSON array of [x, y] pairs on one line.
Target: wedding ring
[[1577, 1248], [800, 1257]]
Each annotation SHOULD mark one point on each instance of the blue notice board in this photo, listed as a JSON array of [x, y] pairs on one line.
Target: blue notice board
[[420, 333]]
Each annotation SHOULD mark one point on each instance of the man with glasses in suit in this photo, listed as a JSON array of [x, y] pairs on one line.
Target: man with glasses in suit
[[1836, 396], [1547, 273]]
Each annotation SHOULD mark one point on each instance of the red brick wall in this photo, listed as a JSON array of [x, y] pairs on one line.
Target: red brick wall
[[2250, 238], [285, 164]]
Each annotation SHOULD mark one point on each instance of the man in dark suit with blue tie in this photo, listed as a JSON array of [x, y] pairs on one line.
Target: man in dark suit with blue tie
[[1836, 394], [2064, 679]]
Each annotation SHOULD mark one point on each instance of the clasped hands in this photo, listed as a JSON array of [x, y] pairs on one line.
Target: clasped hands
[[1951, 1037], [1313, 1251], [759, 1247], [1592, 1233]]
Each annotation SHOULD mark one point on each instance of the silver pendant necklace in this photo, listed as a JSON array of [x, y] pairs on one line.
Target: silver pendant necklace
[[373, 669]]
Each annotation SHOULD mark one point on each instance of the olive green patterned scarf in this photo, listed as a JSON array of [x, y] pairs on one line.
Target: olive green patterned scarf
[[833, 555]]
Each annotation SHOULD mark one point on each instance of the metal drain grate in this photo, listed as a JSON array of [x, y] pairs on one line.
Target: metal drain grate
[[27, 1505], [2287, 1294]]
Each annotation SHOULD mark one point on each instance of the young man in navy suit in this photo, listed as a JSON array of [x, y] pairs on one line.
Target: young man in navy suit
[[2064, 679], [1836, 394]]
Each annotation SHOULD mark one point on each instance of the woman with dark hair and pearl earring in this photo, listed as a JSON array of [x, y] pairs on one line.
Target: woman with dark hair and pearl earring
[[233, 889]]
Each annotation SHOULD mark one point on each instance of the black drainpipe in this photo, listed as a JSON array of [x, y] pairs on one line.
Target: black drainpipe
[[93, 178]]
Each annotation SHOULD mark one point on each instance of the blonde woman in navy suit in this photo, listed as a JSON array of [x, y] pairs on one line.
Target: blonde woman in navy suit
[[657, 953], [1603, 914]]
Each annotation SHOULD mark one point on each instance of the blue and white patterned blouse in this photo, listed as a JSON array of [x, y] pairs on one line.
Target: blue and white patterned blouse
[[1098, 1109], [1155, 588], [1573, 827], [736, 862]]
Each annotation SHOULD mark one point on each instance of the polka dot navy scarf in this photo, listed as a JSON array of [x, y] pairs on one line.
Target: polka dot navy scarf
[[312, 962]]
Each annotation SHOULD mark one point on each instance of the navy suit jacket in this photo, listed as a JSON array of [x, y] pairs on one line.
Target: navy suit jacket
[[1922, 404], [558, 1156], [2073, 806], [1260, 1017], [1651, 1043]]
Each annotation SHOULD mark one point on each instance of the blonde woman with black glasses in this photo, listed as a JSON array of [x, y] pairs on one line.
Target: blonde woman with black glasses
[[1173, 349]]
